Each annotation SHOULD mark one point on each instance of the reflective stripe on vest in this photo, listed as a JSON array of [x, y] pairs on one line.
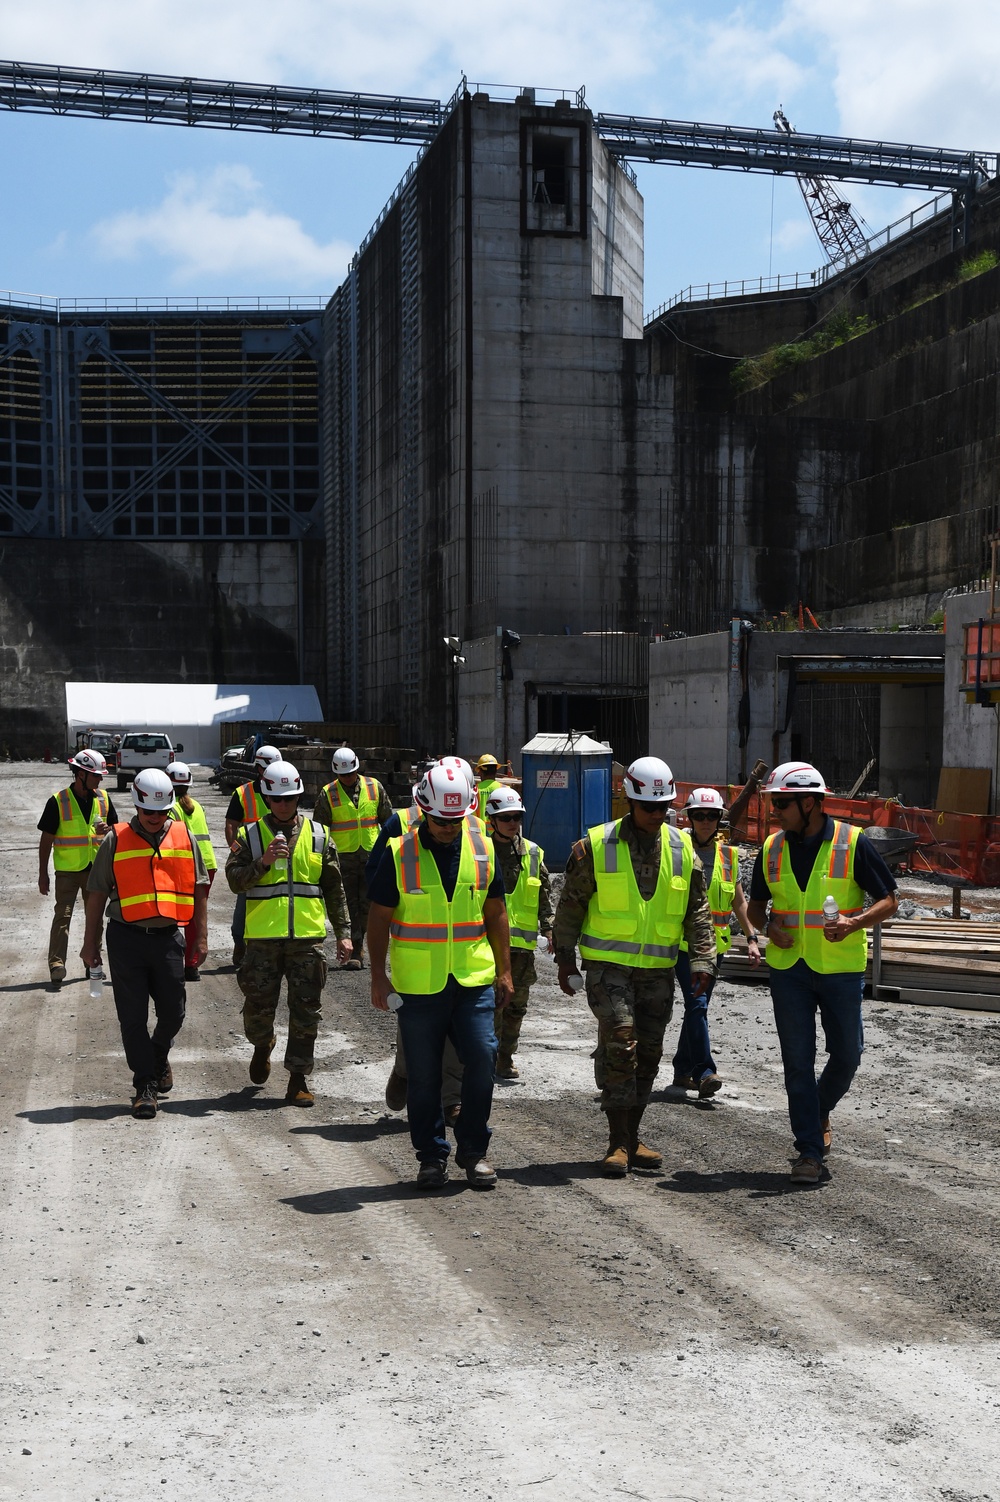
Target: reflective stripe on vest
[[431, 938], [801, 913], [621, 926], [251, 803], [197, 823], [353, 827], [75, 844], [721, 891], [155, 883], [522, 902], [288, 904]]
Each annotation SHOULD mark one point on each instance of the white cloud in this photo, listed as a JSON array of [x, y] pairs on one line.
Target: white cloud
[[217, 224], [794, 234], [909, 70]]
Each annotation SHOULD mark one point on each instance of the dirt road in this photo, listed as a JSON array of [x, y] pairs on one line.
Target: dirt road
[[242, 1299]]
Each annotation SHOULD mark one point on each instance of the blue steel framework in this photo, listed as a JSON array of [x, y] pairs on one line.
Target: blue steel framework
[[159, 425]]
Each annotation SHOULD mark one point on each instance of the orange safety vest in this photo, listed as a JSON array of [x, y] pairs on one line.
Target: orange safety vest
[[251, 803], [155, 883]]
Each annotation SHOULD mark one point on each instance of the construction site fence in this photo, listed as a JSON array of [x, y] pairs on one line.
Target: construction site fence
[[963, 847]]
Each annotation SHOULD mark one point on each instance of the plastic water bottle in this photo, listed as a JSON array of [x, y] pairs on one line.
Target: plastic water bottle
[[96, 974], [575, 982], [394, 1000], [831, 912]]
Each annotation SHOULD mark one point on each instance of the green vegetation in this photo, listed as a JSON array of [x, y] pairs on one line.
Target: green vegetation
[[757, 370], [976, 265]]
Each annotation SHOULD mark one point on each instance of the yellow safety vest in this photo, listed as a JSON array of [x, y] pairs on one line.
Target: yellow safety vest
[[621, 928], [431, 938], [75, 843], [801, 913], [353, 828], [483, 791], [287, 904], [410, 817], [721, 891], [522, 903], [198, 826]]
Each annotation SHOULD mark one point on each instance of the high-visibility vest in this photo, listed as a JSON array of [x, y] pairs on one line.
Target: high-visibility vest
[[410, 817], [431, 938], [75, 844], [621, 927], [353, 828], [251, 802], [522, 903], [155, 883], [198, 825], [801, 913], [721, 891], [483, 791], [288, 904]]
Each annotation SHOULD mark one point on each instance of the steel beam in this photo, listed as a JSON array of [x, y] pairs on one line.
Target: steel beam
[[39, 88]]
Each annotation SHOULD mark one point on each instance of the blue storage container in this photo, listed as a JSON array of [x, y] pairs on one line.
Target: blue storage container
[[565, 788]]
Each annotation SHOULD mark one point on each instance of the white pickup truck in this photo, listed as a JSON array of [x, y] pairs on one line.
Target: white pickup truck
[[140, 749]]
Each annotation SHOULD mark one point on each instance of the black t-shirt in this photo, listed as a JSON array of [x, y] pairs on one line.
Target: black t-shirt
[[49, 822], [870, 871], [383, 889], [234, 813]]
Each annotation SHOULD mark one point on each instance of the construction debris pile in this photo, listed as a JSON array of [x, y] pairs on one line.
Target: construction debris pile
[[393, 766]]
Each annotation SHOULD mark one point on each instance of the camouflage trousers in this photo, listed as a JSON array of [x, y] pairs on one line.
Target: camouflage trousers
[[507, 1020], [302, 964], [352, 869], [632, 1008]]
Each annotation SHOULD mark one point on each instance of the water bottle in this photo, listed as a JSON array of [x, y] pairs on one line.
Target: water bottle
[[96, 974], [575, 982], [831, 912], [280, 866], [394, 1001]]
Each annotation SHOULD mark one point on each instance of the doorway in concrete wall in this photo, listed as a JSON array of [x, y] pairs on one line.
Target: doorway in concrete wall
[[836, 726], [621, 719]]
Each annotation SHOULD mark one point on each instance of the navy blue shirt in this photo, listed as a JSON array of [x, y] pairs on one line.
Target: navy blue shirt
[[870, 871], [383, 889], [392, 827]]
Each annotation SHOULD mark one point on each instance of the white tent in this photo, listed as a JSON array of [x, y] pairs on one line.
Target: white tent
[[190, 713]]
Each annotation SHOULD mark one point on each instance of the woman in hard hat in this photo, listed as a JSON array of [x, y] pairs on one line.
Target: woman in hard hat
[[190, 810], [694, 1066]]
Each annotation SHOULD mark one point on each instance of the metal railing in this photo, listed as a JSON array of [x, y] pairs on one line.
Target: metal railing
[[42, 302]]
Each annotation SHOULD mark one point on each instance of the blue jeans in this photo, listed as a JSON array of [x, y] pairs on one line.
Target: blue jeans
[[465, 1015], [796, 994], [693, 1059]]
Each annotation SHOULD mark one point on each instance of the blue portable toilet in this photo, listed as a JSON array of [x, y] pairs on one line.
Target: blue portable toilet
[[565, 788]]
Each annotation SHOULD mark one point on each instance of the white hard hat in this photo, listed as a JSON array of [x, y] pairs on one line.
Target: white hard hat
[[90, 761], [179, 773], [460, 765], [445, 791], [704, 798], [650, 780], [504, 800], [281, 780], [344, 761], [153, 791], [795, 777], [265, 755]]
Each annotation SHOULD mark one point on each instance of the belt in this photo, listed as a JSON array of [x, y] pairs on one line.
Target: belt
[[150, 928]]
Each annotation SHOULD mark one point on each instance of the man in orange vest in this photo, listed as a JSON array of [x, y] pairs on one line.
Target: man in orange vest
[[74, 822], [152, 873]]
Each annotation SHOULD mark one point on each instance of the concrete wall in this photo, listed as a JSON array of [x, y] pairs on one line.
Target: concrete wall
[[910, 741], [971, 735], [689, 706], [135, 612]]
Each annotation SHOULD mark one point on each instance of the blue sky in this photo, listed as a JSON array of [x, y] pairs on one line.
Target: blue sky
[[97, 208]]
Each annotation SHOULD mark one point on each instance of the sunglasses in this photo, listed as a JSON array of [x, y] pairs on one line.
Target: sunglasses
[[446, 823], [704, 813], [291, 798], [782, 803], [508, 818]]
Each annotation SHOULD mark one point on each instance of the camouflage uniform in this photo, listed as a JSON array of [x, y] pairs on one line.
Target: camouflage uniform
[[632, 1005], [353, 862], [507, 1020], [300, 961]]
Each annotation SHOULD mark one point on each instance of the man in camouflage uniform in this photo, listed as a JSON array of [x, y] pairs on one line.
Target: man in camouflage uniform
[[256, 850], [528, 888], [354, 808], [633, 1002]]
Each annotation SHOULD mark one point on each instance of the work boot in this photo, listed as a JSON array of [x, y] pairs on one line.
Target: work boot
[[395, 1092], [165, 1081], [639, 1155], [615, 1162], [824, 1127], [708, 1085], [506, 1069], [144, 1101], [260, 1064], [298, 1092]]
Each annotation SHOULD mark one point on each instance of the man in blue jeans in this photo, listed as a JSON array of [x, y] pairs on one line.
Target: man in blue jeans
[[438, 911], [816, 872]]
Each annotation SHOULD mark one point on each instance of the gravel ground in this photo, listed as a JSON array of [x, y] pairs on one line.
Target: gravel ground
[[245, 1299]]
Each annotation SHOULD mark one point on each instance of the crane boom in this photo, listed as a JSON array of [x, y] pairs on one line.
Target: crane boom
[[840, 231]]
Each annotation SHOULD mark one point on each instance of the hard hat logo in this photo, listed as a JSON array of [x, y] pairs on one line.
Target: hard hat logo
[[454, 800]]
